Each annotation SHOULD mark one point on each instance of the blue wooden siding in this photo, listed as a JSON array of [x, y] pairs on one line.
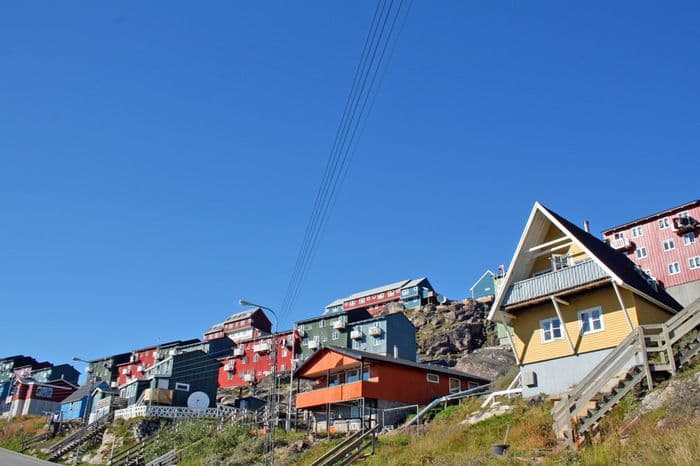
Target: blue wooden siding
[[484, 287]]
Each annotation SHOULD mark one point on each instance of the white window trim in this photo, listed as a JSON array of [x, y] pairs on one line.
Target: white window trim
[[689, 238], [592, 330], [435, 376], [670, 242], [553, 339], [459, 385], [664, 223], [692, 261], [639, 229], [679, 268], [640, 249], [182, 387]]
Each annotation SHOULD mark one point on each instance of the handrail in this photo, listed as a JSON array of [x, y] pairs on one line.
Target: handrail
[[339, 453], [332, 451], [442, 399]]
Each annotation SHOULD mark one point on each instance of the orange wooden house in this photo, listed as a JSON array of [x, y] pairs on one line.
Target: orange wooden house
[[351, 386]]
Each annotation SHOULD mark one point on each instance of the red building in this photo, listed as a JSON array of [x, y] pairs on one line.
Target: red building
[[144, 358], [252, 360], [30, 396], [241, 326], [352, 386], [409, 293], [666, 247]]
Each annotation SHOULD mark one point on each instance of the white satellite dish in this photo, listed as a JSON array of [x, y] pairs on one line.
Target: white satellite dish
[[198, 400]]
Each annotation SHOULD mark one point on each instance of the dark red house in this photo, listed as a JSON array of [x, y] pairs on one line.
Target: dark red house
[[252, 360], [144, 358], [29, 396], [241, 326]]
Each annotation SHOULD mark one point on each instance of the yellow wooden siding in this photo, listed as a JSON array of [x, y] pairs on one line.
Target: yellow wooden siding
[[648, 313], [528, 339]]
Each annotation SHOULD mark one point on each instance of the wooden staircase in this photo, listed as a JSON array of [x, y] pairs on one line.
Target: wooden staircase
[[350, 449], [92, 432], [135, 455], [649, 351]]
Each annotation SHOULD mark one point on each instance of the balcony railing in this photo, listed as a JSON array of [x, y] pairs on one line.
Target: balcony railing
[[261, 347], [620, 244], [554, 282], [339, 324]]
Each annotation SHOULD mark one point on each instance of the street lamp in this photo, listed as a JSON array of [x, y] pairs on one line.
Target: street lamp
[[272, 419]]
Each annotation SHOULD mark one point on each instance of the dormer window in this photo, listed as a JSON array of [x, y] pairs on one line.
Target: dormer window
[[560, 261]]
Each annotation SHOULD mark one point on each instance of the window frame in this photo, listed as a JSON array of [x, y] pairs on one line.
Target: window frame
[[670, 242], [678, 268], [182, 387], [553, 338], [637, 231], [694, 262], [459, 385], [689, 238], [639, 250], [664, 223], [591, 328], [431, 375]]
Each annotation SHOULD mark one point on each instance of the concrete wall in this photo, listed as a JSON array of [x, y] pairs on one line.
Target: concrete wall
[[685, 293], [556, 375]]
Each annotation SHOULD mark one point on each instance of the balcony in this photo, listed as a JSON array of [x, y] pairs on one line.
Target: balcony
[[620, 244], [684, 224], [554, 282], [356, 334], [228, 367], [313, 344], [375, 331], [238, 352], [339, 324], [337, 394], [248, 377], [261, 347]]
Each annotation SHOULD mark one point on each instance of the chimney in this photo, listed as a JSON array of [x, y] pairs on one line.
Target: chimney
[[396, 351], [587, 226]]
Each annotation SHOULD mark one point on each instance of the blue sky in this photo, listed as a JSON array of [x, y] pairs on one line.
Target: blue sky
[[159, 160]]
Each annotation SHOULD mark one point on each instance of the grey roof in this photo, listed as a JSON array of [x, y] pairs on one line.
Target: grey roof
[[215, 327], [415, 282], [83, 390], [363, 355], [241, 315], [337, 302], [393, 315], [380, 289]]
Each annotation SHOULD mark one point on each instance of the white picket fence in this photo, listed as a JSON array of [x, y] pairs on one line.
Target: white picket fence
[[173, 412]]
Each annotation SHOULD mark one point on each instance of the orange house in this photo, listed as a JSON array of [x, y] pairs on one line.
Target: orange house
[[351, 386]]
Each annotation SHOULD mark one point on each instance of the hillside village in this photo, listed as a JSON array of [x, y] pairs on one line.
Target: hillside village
[[575, 319]]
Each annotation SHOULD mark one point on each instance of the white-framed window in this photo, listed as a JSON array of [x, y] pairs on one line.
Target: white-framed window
[[321, 323], [694, 263], [334, 380], [551, 329], [689, 238], [664, 223], [256, 357], [674, 268], [352, 375], [455, 385], [669, 244], [182, 387], [335, 335], [591, 320], [560, 261], [684, 214], [432, 378], [283, 368], [284, 353], [619, 235], [637, 231], [229, 375], [390, 292], [362, 300], [641, 252], [380, 296]]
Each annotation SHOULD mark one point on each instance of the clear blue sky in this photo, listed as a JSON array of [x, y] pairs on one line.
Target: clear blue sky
[[159, 160]]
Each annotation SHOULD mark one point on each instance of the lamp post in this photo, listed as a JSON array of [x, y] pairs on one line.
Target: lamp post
[[272, 418]]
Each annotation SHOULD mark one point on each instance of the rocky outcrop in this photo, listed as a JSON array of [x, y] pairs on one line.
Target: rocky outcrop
[[491, 362]]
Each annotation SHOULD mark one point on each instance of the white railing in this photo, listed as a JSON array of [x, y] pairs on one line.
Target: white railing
[[238, 352], [553, 282], [619, 243], [356, 334], [313, 344], [375, 331], [261, 347], [173, 412]]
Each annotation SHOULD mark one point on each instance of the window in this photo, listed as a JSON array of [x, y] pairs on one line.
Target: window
[[353, 375], [365, 373], [362, 300], [283, 368], [335, 336], [377, 341], [256, 357], [305, 342], [334, 380], [472, 385], [325, 338], [44, 392], [551, 330], [669, 245], [391, 293], [689, 238], [432, 378], [619, 235], [641, 252], [637, 232], [559, 261], [694, 262], [591, 320], [321, 323], [683, 214], [380, 295], [455, 385], [674, 268], [664, 223], [229, 375], [182, 387], [284, 353]]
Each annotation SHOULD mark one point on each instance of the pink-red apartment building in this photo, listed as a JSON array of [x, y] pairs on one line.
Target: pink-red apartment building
[[666, 247]]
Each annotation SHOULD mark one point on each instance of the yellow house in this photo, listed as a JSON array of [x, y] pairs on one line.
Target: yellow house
[[570, 299]]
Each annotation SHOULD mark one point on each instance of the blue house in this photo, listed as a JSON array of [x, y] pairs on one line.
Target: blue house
[[390, 335], [485, 286], [77, 406]]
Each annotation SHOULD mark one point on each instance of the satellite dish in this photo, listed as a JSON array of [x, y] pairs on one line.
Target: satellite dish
[[441, 299], [198, 400]]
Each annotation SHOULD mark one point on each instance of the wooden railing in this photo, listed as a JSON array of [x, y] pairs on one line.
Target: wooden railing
[[349, 449], [649, 348]]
